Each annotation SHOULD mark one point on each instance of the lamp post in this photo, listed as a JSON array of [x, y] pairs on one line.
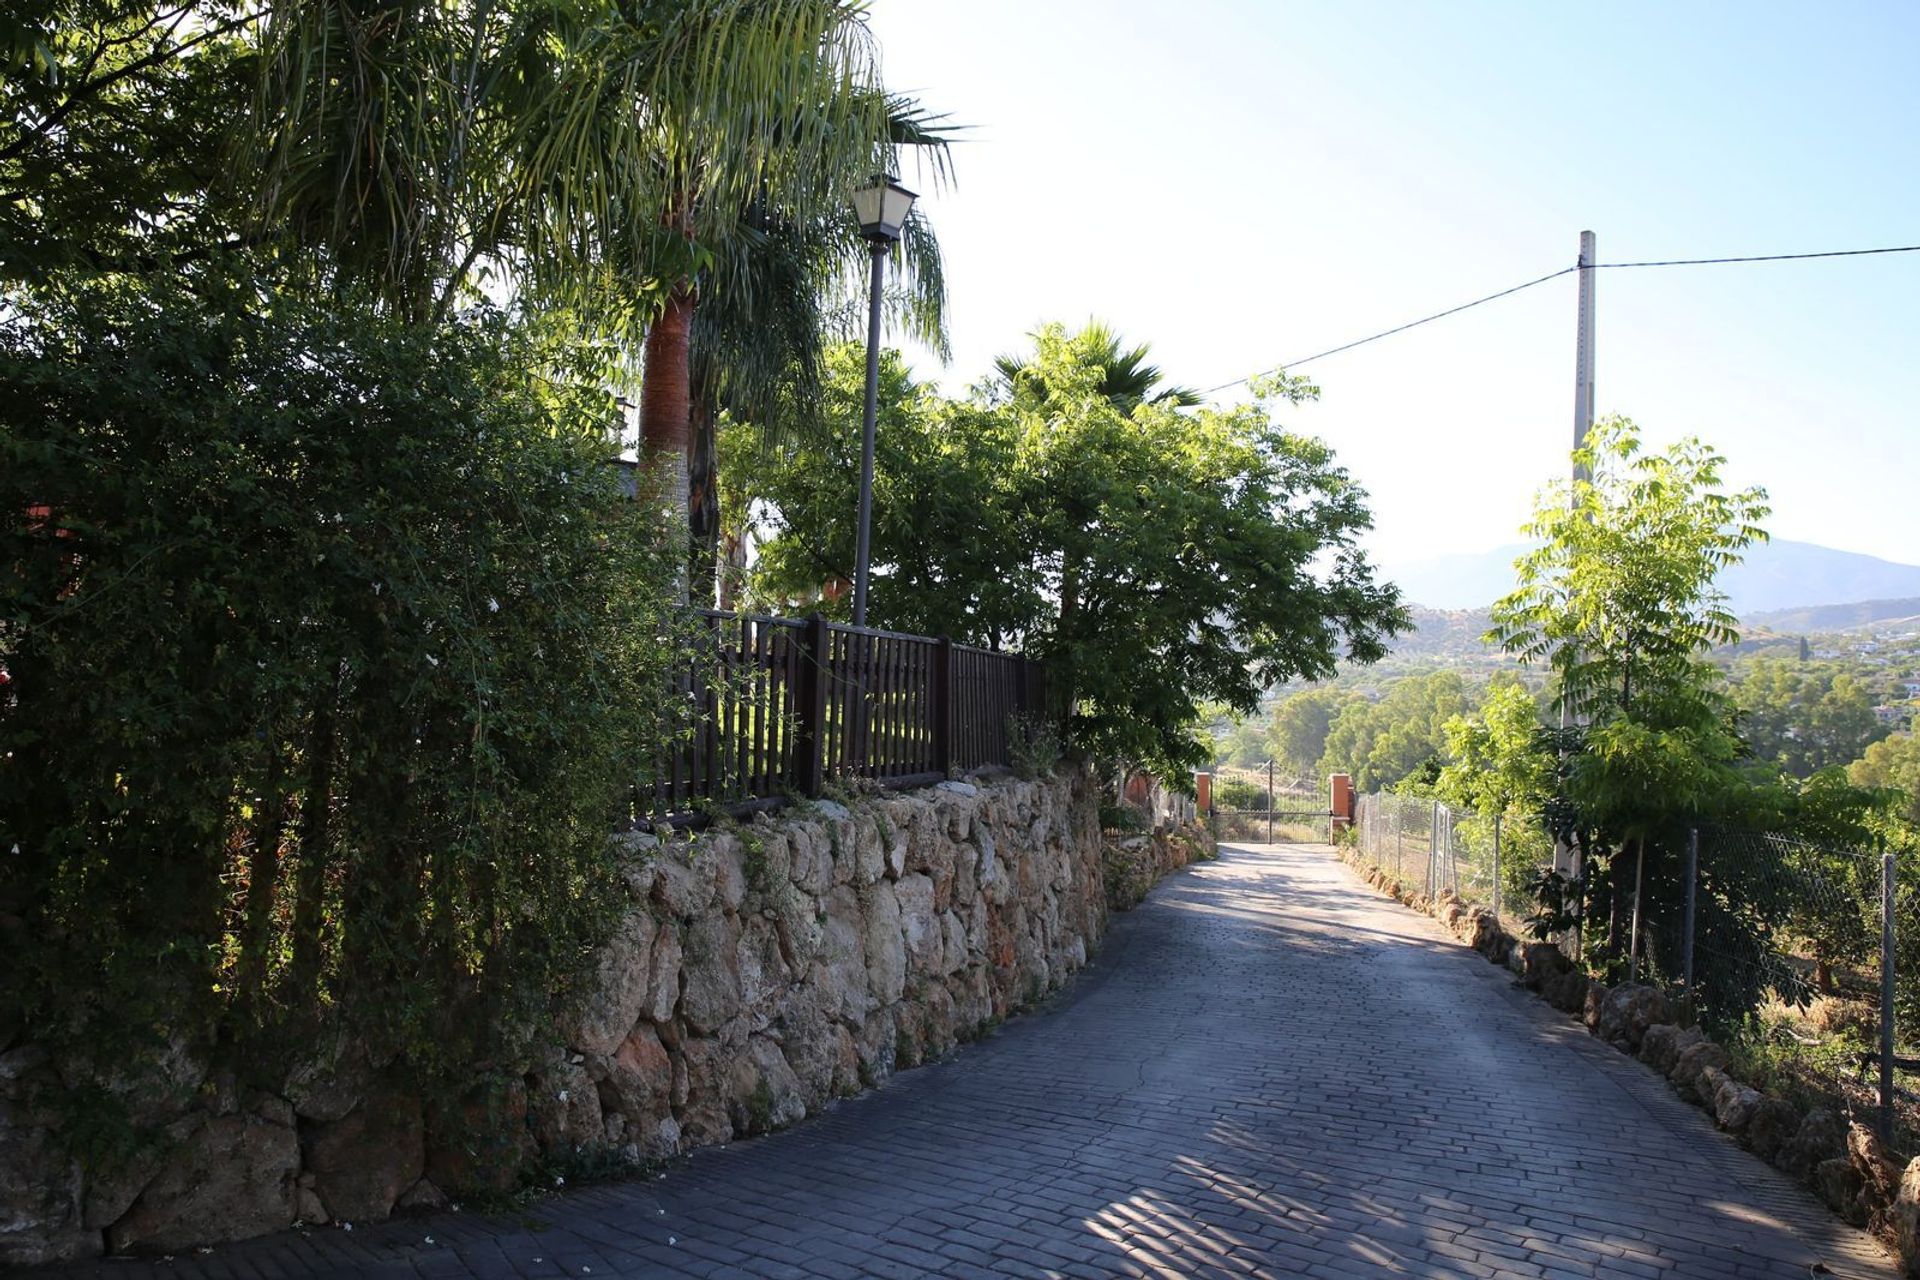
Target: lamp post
[[881, 208]]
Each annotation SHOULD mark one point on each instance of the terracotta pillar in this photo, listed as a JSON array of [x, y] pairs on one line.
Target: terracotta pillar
[[1340, 801], [1203, 793]]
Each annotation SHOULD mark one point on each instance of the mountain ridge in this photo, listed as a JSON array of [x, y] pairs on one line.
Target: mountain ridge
[[1776, 577]]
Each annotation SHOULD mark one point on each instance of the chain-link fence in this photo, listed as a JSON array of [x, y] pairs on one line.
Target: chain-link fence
[[1486, 861], [1804, 960], [1396, 835], [1789, 951]]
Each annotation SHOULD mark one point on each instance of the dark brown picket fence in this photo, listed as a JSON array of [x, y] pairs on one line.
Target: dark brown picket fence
[[785, 706]]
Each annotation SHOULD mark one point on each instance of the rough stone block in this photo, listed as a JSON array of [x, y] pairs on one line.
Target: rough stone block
[[234, 1177], [1627, 1011], [362, 1162]]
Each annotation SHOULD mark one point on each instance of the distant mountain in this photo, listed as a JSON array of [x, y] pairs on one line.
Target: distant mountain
[[1780, 575], [1447, 634], [1836, 617]]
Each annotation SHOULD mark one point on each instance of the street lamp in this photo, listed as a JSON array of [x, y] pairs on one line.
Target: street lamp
[[881, 207]]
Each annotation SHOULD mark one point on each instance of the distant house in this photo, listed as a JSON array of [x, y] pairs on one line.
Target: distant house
[[1893, 715], [1912, 687]]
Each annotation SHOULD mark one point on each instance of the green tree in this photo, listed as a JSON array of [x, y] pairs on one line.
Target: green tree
[[1211, 553], [1383, 742], [1619, 599], [1498, 763], [1804, 718], [1301, 723], [1243, 746], [1893, 764], [1126, 379], [614, 168], [114, 121]]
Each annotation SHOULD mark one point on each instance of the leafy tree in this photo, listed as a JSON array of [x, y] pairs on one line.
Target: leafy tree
[[1498, 762], [1380, 743], [1619, 599], [614, 168], [1157, 559], [1126, 379], [1244, 745], [1893, 764], [332, 653], [1804, 718], [114, 119], [1301, 723]]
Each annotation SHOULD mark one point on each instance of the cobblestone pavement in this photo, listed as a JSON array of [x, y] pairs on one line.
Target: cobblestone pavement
[[1270, 1070]]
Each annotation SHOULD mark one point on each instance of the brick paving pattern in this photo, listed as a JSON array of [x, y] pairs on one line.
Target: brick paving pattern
[[1270, 1070]]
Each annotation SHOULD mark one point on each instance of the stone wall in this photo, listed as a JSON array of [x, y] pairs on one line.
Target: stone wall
[[759, 972], [1135, 861]]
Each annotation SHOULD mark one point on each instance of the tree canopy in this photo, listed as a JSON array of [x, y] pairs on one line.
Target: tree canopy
[[1156, 556]]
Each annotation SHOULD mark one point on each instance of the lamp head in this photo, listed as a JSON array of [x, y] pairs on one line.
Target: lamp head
[[881, 207]]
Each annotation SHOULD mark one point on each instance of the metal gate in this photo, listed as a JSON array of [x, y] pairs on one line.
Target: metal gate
[[1256, 806]]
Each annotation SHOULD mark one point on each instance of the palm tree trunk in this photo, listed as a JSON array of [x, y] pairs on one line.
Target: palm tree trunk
[[665, 403]]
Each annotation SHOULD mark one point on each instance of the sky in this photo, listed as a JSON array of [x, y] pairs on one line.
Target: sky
[[1242, 183]]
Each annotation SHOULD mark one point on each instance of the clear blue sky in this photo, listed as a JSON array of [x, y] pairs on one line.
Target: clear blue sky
[[1243, 182]]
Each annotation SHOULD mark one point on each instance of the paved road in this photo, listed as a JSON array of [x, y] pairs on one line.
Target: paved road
[[1271, 1070]]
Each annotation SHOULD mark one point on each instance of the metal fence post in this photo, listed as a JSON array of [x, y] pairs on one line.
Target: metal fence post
[[810, 728], [1633, 938], [942, 727], [1433, 845], [1686, 927], [1270, 800], [1399, 843], [1887, 890], [1495, 892]]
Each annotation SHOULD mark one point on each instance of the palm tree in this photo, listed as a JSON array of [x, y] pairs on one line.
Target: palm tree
[[622, 164], [769, 305], [1126, 379]]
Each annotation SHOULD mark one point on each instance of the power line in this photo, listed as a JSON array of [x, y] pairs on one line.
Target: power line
[[1387, 333], [1770, 257], [1554, 275]]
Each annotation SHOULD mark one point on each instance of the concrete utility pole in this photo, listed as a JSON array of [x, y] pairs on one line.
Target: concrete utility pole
[[1583, 352], [1567, 861]]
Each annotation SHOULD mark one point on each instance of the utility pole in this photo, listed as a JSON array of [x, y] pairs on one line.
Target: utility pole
[[1565, 859], [1583, 353]]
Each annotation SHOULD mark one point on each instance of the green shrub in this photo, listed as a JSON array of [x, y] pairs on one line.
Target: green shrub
[[330, 652], [1033, 746], [1238, 793]]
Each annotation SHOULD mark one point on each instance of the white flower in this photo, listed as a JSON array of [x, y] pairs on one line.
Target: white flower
[[493, 606], [429, 1239]]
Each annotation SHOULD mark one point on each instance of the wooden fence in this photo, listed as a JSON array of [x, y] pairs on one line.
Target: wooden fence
[[780, 706]]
